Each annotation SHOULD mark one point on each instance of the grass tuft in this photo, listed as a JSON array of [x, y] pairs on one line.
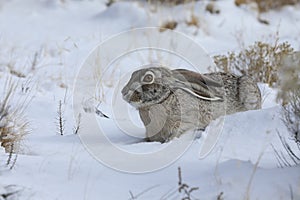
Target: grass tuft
[[13, 123]]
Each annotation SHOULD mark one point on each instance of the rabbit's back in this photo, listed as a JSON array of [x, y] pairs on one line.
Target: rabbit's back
[[240, 93]]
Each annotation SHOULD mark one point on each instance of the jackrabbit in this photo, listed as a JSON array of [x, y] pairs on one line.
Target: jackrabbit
[[170, 102]]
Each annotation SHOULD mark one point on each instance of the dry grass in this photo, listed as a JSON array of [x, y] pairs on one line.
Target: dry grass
[[168, 25], [261, 61], [13, 123], [174, 2], [193, 21], [247, 194], [163, 2], [266, 5], [212, 9]]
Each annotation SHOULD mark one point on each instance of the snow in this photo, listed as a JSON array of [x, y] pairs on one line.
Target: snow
[[242, 163]]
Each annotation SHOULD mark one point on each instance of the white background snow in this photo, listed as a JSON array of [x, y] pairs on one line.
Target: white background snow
[[61, 35]]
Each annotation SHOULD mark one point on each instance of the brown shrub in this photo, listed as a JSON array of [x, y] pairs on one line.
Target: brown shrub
[[261, 61]]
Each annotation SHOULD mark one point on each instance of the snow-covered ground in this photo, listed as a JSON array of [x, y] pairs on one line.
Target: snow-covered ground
[[49, 40]]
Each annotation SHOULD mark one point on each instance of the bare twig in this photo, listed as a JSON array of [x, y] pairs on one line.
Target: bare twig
[[185, 188], [220, 196], [291, 192], [279, 159], [60, 119], [247, 197], [34, 61], [13, 162], [10, 155], [132, 196], [282, 157], [78, 123], [99, 112]]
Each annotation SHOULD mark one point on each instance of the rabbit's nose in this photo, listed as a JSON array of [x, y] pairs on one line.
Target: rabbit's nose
[[124, 91]]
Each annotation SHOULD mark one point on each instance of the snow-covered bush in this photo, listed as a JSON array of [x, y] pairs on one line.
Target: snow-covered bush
[[261, 61], [289, 93], [292, 115], [291, 118], [265, 5], [289, 96]]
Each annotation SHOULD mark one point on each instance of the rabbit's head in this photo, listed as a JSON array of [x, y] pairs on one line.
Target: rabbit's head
[[147, 87], [152, 85]]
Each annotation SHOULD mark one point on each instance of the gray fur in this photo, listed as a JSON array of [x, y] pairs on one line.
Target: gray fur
[[181, 100]]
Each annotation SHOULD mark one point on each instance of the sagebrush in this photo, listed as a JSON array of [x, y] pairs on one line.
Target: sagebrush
[[261, 61]]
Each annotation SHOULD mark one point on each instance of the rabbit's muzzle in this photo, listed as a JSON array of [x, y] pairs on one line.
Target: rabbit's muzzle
[[132, 95], [144, 95]]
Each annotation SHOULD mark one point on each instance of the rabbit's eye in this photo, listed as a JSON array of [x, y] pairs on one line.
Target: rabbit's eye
[[148, 78]]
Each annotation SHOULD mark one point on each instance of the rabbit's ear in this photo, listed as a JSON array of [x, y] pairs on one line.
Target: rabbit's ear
[[194, 77], [196, 84]]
